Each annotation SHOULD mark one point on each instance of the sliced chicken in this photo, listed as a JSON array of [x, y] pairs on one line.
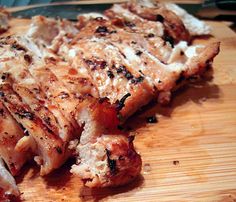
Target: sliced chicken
[[68, 84], [173, 25], [50, 148], [121, 57], [11, 137], [106, 156], [7, 183]]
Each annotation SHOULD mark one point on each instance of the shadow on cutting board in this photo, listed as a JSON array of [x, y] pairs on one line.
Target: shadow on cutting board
[[197, 92], [98, 194]]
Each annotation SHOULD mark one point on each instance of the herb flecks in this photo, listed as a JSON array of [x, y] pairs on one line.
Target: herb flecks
[[111, 163], [121, 103]]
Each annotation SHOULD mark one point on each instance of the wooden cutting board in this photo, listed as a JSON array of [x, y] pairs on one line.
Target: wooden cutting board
[[189, 155]]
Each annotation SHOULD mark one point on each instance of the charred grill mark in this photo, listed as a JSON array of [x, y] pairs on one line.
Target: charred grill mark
[[122, 69], [47, 120], [1, 111], [180, 79], [150, 35], [24, 114], [138, 53], [59, 150], [5, 76], [151, 119], [169, 39], [25, 131], [2, 94], [137, 80], [36, 90], [120, 104], [18, 47], [128, 75], [102, 30], [28, 58], [131, 138], [50, 60], [103, 99], [129, 24], [63, 95], [110, 74], [111, 163], [96, 64], [113, 32], [160, 18]]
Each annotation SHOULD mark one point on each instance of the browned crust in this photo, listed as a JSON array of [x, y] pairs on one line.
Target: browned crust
[[174, 27]]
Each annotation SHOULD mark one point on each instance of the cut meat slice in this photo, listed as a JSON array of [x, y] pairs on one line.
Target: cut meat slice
[[111, 74], [106, 156], [7, 182], [132, 22], [173, 25], [50, 148], [193, 25], [132, 55], [17, 70], [10, 135]]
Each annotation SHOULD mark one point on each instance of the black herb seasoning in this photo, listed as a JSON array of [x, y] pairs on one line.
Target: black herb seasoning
[[137, 80], [110, 74], [151, 119], [28, 58], [159, 18], [129, 24], [128, 75], [59, 150], [102, 30], [150, 35], [5, 76], [120, 103], [170, 40], [25, 114], [18, 47], [138, 53], [111, 163]]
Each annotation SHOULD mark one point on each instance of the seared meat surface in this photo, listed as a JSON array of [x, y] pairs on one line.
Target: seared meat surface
[[65, 88]]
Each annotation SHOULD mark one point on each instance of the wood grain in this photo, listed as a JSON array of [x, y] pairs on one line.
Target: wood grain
[[189, 155]]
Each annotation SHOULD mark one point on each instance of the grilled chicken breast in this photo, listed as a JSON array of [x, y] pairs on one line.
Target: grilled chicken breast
[[129, 62], [67, 86]]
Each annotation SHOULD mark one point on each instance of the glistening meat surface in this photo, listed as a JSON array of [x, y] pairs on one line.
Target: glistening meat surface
[[67, 86]]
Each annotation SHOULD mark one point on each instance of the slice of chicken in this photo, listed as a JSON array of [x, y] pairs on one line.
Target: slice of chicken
[[17, 70], [133, 22], [11, 137], [7, 182], [117, 49], [173, 25], [50, 148], [106, 156]]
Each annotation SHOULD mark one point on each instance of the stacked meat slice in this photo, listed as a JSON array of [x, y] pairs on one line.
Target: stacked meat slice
[[66, 87]]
